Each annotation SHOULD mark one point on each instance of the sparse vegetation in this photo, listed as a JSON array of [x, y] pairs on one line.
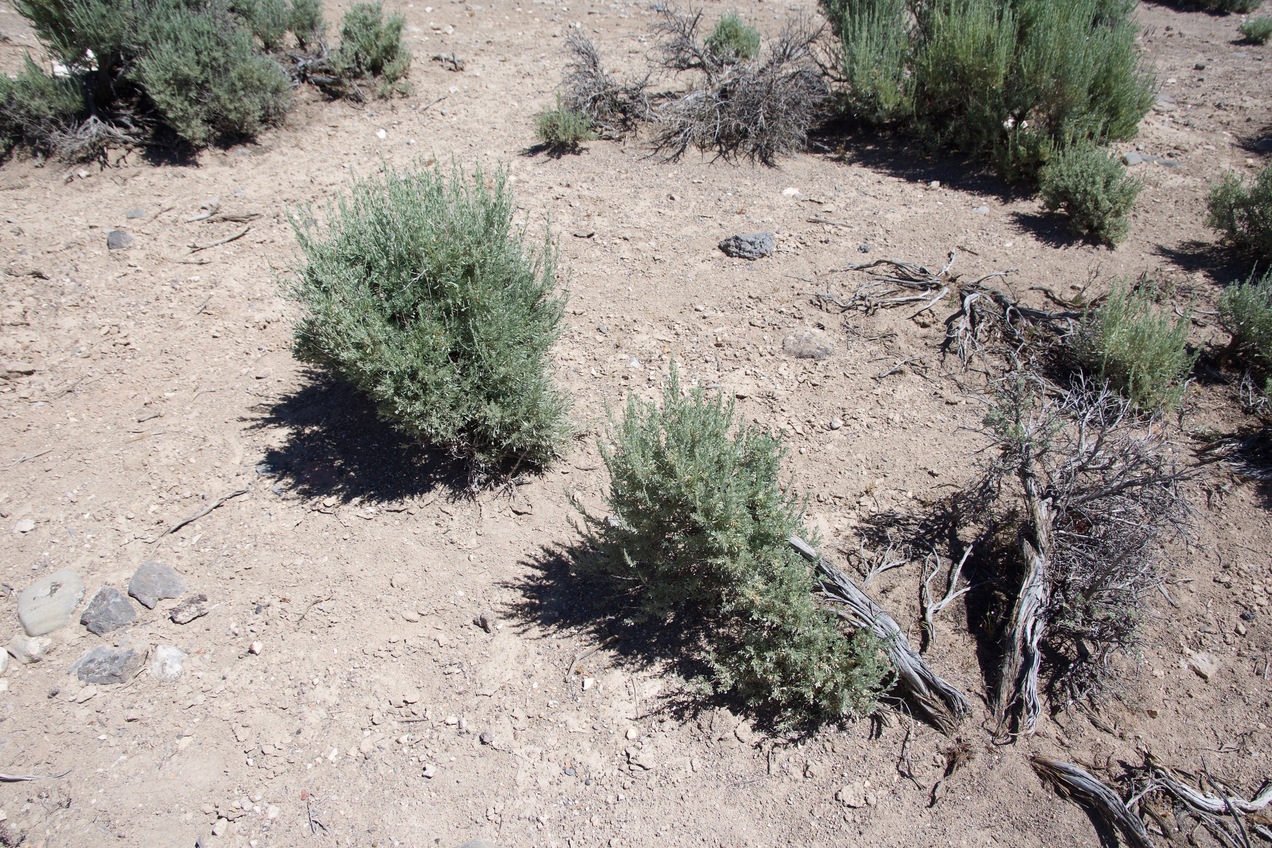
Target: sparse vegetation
[[613, 108], [1256, 30], [371, 48], [562, 129], [1244, 214], [733, 40], [1093, 189], [1138, 347], [419, 290], [1245, 311], [698, 538]]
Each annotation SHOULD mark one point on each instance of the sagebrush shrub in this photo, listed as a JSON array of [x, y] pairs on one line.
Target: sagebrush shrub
[[1244, 214], [872, 59], [267, 19], [613, 107], [1137, 347], [35, 106], [1093, 189], [1256, 30], [306, 22], [419, 290], [1245, 311], [698, 533], [371, 46], [562, 129], [733, 39]]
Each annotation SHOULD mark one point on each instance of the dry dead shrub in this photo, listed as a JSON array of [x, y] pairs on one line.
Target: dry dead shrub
[[615, 108]]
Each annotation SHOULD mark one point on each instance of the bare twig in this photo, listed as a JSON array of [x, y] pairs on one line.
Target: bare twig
[[20, 778], [195, 248], [183, 522], [931, 609]]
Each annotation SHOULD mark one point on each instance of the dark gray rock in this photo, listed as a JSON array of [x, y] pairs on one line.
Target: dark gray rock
[[106, 666], [809, 344], [155, 581], [1264, 145], [752, 246], [108, 610], [46, 604], [118, 240]]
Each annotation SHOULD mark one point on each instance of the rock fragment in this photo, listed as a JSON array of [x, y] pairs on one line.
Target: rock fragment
[[118, 240], [808, 344], [190, 609], [168, 663], [107, 666], [46, 604], [751, 246], [29, 649], [108, 610], [155, 581]]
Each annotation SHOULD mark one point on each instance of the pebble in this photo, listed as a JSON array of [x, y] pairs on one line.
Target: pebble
[[25, 525], [155, 581], [29, 649], [752, 246], [168, 663], [790, 191], [188, 611], [1203, 665], [381, 134], [485, 620], [118, 240], [853, 795], [46, 604], [108, 610], [4, 661], [256, 647], [864, 247], [836, 423], [809, 344], [429, 771], [134, 214], [106, 666], [218, 829], [1241, 631], [981, 210], [486, 738]]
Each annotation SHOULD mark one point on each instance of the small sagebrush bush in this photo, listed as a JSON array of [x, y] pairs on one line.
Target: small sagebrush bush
[[306, 22], [1245, 311], [1244, 214], [1093, 189], [371, 46], [267, 19], [872, 59], [1137, 347], [562, 129], [35, 106], [1256, 30], [733, 39], [421, 292], [698, 535]]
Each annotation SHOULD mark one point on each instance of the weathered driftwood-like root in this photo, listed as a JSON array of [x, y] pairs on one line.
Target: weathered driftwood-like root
[[932, 607], [936, 700], [1229, 817], [1097, 798]]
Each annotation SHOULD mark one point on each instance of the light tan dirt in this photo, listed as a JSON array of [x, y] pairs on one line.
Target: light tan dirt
[[163, 380]]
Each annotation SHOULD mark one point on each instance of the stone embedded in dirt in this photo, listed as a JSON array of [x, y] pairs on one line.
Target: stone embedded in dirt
[[4, 661], [46, 604], [485, 620], [29, 649], [853, 795], [109, 610], [118, 240], [1203, 665], [753, 246], [1165, 103], [429, 771], [168, 663], [190, 609], [1264, 145], [1131, 159], [478, 843], [25, 525], [133, 214], [809, 344], [155, 581], [12, 369], [108, 666]]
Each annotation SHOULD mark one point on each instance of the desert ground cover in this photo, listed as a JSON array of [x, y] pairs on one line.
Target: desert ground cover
[[387, 656]]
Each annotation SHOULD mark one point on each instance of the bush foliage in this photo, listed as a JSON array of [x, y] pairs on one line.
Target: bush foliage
[[419, 290], [563, 129], [699, 533], [371, 46], [1136, 347], [733, 39], [1245, 311], [1093, 189], [1256, 30], [1244, 214]]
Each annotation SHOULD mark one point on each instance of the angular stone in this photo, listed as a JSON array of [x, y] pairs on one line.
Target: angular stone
[[135, 213], [190, 609], [853, 795], [108, 610], [168, 663], [752, 246], [118, 240], [107, 666], [155, 581], [809, 344], [1203, 665], [1132, 159], [47, 604], [29, 649]]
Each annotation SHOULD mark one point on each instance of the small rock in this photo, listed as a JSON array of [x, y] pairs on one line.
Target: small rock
[[118, 240], [46, 604], [1131, 159], [429, 771], [256, 647], [1200, 66], [1165, 103], [791, 191], [107, 666], [168, 663], [864, 247], [25, 525], [381, 134], [853, 795], [981, 210], [809, 344], [486, 738], [155, 581], [189, 610], [753, 246], [632, 734], [1203, 665], [588, 683], [4, 661], [219, 828], [29, 649], [478, 843], [1264, 145], [12, 369], [108, 610], [1241, 631], [638, 760], [134, 214], [485, 620], [836, 423]]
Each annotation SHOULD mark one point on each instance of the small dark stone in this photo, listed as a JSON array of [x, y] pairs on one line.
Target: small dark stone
[[189, 610], [1247, 615], [864, 247], [118, 240], [1264, 145], [108, 610], [486, 739], [154, 581], [107, 666], [752, 246]]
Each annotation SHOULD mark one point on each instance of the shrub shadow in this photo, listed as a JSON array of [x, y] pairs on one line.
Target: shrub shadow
[[338, 447], [1219, 264], [1049, 228], [553, 151]]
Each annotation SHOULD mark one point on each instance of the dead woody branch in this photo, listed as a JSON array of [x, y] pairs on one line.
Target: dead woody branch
[[1228, 816], [1097, 798], [936, 700]]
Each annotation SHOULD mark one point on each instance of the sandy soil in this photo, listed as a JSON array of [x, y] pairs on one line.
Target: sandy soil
[[339, 691]]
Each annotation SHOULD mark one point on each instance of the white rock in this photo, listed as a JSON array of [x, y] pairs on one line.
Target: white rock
[[256, 647], [29, 649], [47, 604], [168, 663], [381, 134], [853, 795], [790, 191], [1203, 665], [4, 661], [26, 525]]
